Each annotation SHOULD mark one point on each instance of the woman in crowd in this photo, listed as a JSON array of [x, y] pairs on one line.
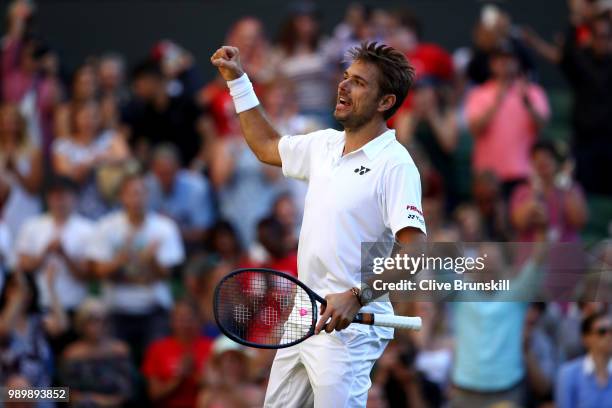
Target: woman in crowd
[[551, 198], [24, 350], [21, 164], [84, 89], [96, 367], [87, 156], [173, 365], [302, 61]]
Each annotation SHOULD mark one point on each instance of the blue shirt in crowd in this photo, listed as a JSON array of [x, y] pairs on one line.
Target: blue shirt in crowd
[[190, 203], [577, 386]]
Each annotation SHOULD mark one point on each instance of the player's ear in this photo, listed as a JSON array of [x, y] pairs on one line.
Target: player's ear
[[386, 102]]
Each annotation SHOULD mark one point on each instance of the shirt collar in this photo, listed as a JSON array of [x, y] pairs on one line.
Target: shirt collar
[[374, 146], [588, 365]]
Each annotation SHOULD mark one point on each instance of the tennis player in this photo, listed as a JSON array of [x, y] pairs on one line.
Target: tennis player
[[363, 186]]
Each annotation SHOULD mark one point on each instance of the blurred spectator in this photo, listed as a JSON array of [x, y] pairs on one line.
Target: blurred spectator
[[286, 212], [587, 381], [493, 209], [84, 156], [29, 73], [540, 357], [302, 61], [223, 241], [173, 365], [589, 72], [404, 386], [550, 199], [84, 90], [96, 367], [434, 345], [6, 240], [111, 77], [59, 237], [21, 166], [492, 30], [489, 366], [239, 177], [273, 244], [133, 252], [24, 349], [432, 123], [153, 116], [178, 66], [569, 340], [505, 115], [201, 276], [230, 368], [221, 397], [248, 35], [355, 28], [182, 195]]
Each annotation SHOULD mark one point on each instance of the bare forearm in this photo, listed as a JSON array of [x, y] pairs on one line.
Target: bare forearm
[[260, 135]]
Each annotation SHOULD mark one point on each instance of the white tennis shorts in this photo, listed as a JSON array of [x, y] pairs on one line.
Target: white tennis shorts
[[326, 370]]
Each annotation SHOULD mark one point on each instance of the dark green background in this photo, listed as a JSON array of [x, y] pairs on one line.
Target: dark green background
[[78, 28]]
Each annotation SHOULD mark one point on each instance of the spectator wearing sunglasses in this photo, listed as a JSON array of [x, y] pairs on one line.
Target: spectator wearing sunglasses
[[587, 381]]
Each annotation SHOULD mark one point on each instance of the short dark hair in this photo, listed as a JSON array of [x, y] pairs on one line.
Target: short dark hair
[[146, 68], [549, 147], [396, 74], [588, 322], [59, 183]]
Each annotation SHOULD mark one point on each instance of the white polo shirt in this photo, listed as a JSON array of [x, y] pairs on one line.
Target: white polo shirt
[[365, 196], [111, 235], [75, 235]]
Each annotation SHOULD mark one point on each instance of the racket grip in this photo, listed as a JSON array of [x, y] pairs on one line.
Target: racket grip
[[397, 322]]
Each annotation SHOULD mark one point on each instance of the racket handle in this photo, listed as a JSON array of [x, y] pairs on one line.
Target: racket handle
[[389, 320]]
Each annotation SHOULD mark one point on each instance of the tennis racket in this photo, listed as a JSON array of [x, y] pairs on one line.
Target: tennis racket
[[269, 309]]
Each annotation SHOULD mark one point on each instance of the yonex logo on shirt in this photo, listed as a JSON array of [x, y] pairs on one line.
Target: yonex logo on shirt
[[362, 170]]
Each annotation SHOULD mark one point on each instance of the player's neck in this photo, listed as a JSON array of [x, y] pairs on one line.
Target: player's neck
[[357, 138]]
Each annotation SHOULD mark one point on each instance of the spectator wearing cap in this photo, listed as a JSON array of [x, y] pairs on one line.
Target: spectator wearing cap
[[586, 382], [134, 251], [505, 115], [96, 367], [59, 237], [173, 365], [231, 367], [181, 194]]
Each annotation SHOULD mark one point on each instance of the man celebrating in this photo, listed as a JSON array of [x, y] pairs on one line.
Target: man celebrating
[[362, 187]]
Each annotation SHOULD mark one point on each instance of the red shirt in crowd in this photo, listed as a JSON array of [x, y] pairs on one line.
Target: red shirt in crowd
[[162, 362]]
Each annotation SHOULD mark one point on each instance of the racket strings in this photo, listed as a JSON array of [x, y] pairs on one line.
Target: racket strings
[[265, 309]]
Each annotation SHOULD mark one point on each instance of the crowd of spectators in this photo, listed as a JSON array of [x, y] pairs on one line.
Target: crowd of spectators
[[126, 194]]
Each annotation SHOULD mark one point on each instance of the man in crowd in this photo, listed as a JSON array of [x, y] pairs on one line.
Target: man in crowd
[[134, 252], [587, 381], [505, 115], [182, 195], [58, 237]]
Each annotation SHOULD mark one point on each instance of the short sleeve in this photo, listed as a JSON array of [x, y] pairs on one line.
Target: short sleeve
[[99, 247], [296, 154], [539, 101], [171, 252], [475, 105], [23, 242], [402, 198]]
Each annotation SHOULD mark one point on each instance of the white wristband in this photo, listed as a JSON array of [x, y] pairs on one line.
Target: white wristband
[[243, 94]]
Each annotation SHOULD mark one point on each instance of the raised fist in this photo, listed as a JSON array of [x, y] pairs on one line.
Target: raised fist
[[227, 60]]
